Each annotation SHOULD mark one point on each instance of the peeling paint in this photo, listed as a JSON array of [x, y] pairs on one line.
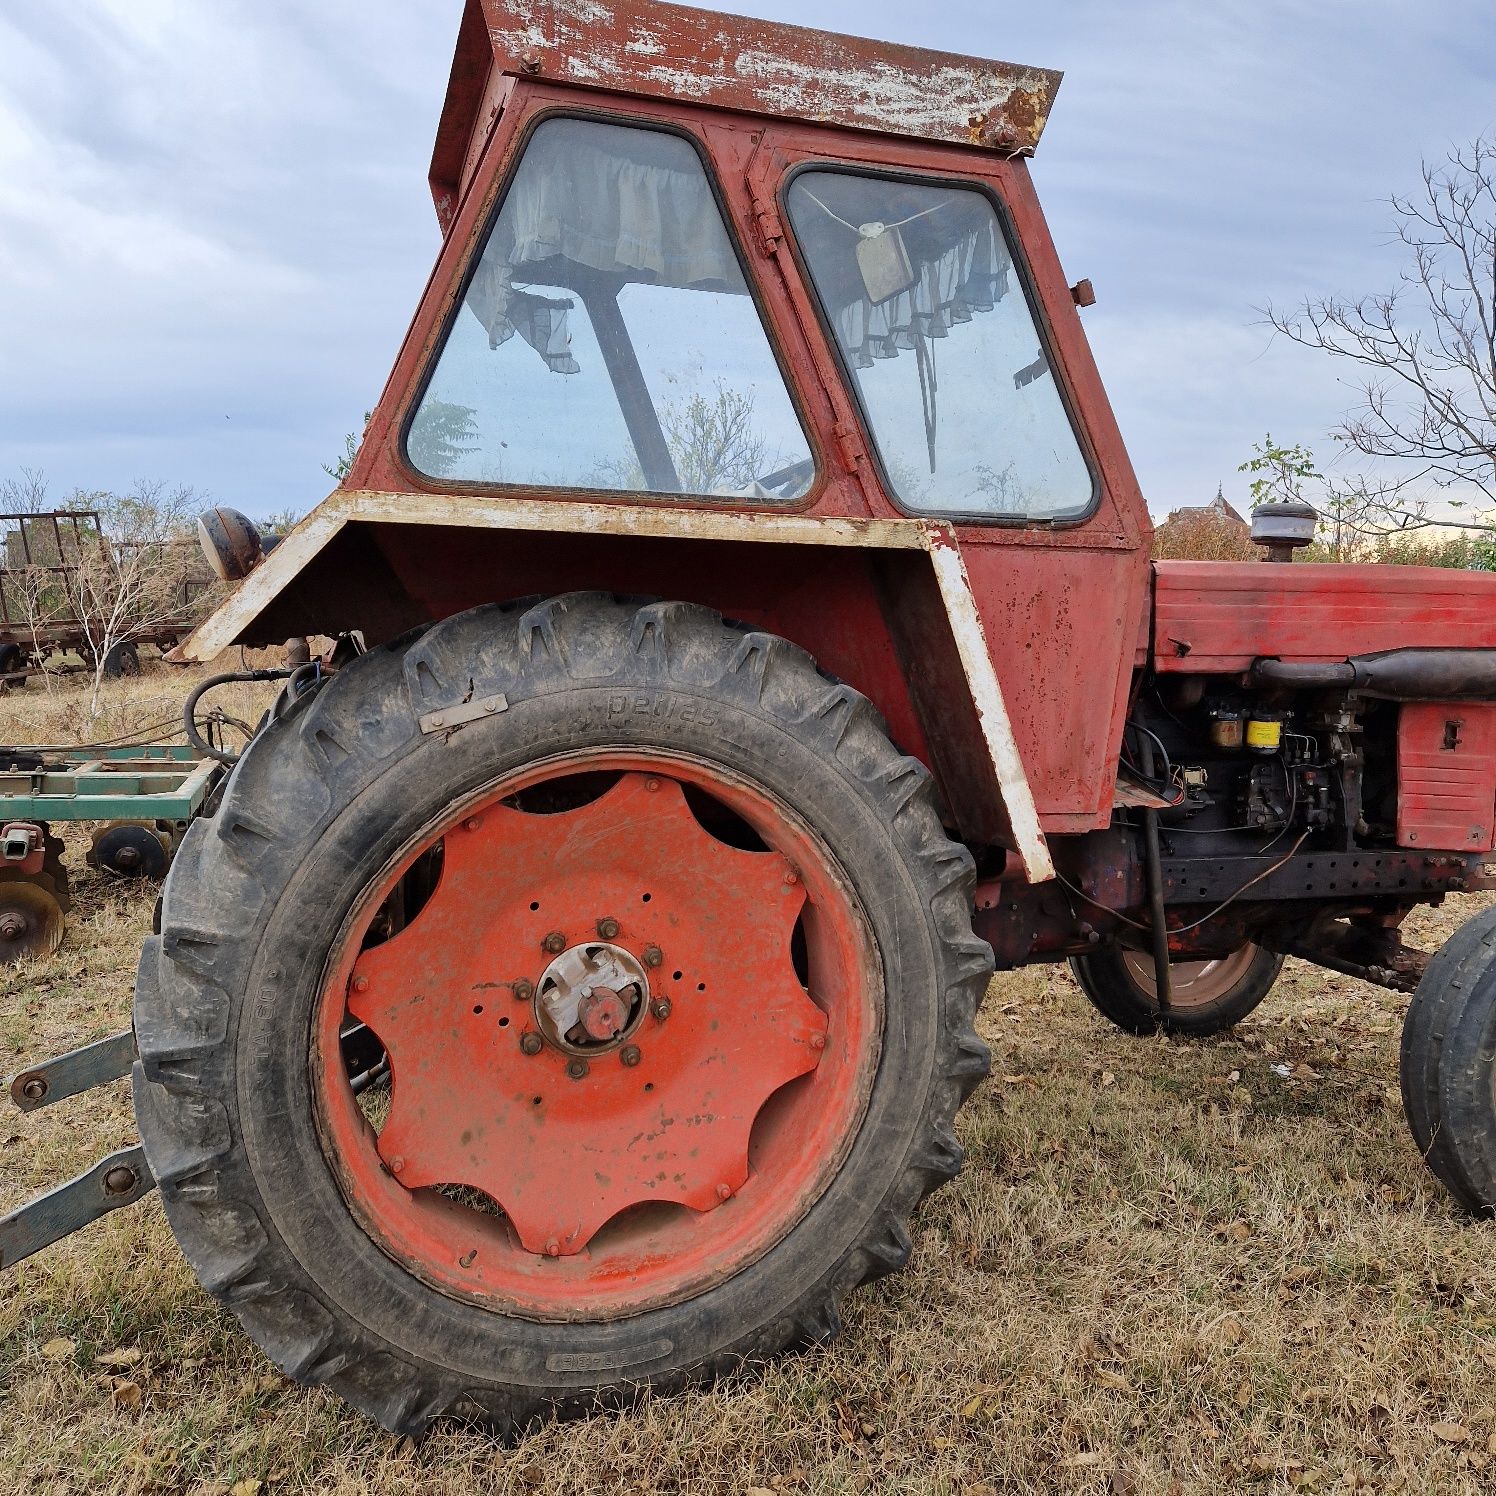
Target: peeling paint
[[768, 68]]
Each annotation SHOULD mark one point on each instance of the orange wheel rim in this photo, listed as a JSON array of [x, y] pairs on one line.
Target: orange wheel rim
[[627, 1052]]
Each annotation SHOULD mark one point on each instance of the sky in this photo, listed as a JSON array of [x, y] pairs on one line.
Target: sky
[[215, 225]]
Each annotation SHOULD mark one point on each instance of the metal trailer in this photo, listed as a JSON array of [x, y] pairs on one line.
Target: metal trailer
[[40, 615]]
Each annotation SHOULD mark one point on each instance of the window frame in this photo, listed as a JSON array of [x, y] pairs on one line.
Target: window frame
[[1042, 327], [478, 244]]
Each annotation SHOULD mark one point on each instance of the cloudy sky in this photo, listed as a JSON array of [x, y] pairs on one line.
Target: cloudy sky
[[214, 222]]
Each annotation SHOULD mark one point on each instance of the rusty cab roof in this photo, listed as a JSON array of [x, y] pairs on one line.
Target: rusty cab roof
[[657, 50]]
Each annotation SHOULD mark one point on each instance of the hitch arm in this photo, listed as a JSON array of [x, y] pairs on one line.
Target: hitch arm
[[79, 1070], [120, 1179]]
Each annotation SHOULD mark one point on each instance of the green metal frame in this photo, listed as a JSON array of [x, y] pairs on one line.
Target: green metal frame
[[156, 783]]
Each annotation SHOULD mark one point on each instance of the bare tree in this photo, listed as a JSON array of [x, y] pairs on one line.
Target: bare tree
[[1425, 355], [133, 578], [24, 494]]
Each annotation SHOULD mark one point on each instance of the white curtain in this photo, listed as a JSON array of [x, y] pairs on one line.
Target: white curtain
[[970, 277], [625, 203]]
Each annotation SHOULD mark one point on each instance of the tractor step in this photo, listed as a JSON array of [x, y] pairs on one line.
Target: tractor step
[[120, 1179]]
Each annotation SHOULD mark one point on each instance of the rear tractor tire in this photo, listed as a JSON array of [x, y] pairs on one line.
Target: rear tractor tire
[[669, 958], [1208, 997], [1448, 1065]]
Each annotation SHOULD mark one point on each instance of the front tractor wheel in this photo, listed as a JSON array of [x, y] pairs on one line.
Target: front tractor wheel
[[566, 1001], [1448, 1064], [1207, 997]]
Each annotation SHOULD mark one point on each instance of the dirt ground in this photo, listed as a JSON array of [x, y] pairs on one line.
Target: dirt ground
[[1168, 1267]]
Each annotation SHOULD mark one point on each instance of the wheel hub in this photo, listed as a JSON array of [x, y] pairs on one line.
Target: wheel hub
[[631, 1072], [591, 998]]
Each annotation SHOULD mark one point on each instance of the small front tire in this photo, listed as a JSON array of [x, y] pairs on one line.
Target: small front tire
[[1448, 1076], [1209, 997]]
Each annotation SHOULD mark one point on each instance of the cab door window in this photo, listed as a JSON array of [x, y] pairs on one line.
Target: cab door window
[[918, 284], [607, 338]]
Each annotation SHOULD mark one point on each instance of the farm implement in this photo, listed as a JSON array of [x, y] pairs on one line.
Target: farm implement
[[748, 644], [140, 800]]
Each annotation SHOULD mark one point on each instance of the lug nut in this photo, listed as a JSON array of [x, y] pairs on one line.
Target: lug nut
[[607, 929], [34, 1089], [818, 1041], [397, 1165], [553, 1248], [791, 878], [472, 823], [577, 1069], [630, 1055], [360, 984], [555, 943], [662, 1009], [724, 1192], [524, 990], [653, 955], [531, 1042]]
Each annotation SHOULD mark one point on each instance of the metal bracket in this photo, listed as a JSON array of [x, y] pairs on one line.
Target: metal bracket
[[121, 1179], [80, 1070], [463, 713]]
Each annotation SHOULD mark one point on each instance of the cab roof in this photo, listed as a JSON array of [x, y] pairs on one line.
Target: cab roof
[[657, 50]]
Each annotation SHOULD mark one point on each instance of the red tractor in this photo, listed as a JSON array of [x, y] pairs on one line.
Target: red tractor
[[749, 643]]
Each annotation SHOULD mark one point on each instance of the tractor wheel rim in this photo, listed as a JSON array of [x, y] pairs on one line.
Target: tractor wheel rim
[[1193, 984], [611, 1088]]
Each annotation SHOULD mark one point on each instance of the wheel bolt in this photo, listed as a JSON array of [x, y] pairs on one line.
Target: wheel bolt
[[818, 1041], [662, 1009], [607, 929], [651, 785], [120, 1181], [555, 943], [360, 984], [653, 955], [553, 1248], [531, 1042], [34, 1089], [472, 823], [791, 878], [397, 1164], [577, 1069], [524, 990], [630, 1055], [724, 1192]]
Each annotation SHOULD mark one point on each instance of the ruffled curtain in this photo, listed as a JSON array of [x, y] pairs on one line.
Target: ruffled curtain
[[631, 206], [969, 277]]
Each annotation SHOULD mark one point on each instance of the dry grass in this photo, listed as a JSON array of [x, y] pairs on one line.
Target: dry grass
[[1167, 1268]]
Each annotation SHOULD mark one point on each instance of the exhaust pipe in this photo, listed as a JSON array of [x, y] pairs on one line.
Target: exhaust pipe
[[1398, 675]]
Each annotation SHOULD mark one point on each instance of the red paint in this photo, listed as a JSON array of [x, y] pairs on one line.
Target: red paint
[[1446, 770], [743, 1092], [1217, 617]]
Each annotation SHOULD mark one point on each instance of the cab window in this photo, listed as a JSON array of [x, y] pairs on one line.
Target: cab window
[[607, 338], [918, 284]]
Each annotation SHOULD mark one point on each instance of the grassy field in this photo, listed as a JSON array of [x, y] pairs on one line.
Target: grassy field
[[1168, 1267]]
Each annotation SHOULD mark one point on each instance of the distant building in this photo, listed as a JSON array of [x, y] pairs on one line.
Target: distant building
[[1216, 531]]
